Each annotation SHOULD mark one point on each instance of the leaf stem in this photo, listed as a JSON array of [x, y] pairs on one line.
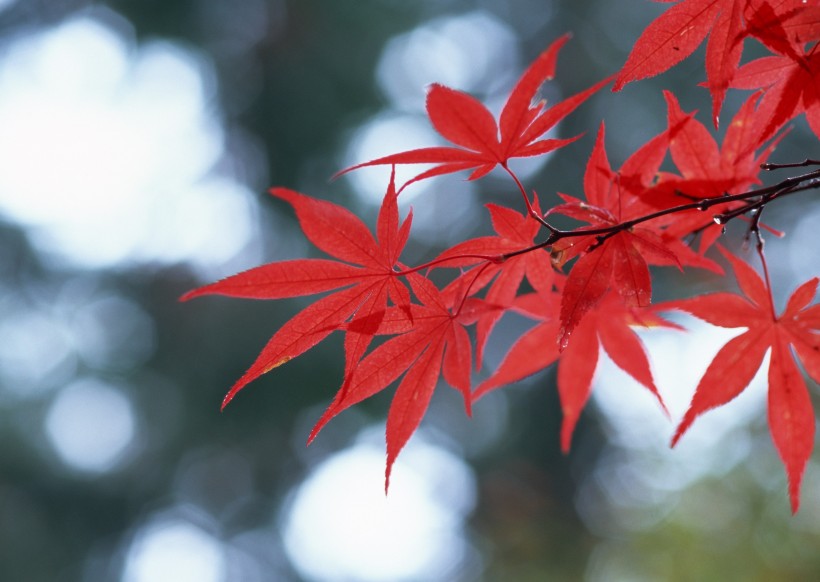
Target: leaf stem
[[766, 277], [495, 259], [530, 210]]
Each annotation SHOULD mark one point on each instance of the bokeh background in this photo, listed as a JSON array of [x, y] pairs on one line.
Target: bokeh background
[[137, 141]]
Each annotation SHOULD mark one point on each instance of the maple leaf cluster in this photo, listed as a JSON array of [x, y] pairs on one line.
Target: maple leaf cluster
[[588, 288]]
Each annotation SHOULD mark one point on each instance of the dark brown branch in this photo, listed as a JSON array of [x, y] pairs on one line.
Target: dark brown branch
[[755, 199]]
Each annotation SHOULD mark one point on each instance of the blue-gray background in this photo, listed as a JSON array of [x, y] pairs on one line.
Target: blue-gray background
[[137, 140]]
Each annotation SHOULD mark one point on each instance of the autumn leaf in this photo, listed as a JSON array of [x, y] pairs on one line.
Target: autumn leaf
[[400, 328], [481, 143], [515, 232], [363, 274], [676, 34], [708, 170], [437, 343], [791, 88], [784, 26], [794, 335], [608, 325], [618, 261], [535, 350]]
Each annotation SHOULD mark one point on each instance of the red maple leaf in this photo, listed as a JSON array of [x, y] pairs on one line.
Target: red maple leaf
[[607, 326], [515, 232], [784, 26], [483, 143], [707, 171], [795, 332], [676, 34], [435, 343], [792, 88], [618, 261], [364, 274]]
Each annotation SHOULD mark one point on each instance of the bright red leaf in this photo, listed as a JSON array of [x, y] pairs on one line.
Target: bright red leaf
[[435, 343], [481, 143], [796, 332], [515, 232], [607, 326], [634, 218], [367, 280], [791, 85], [619, 262], [707, 171], [784, 26], [676, 34], [535, 350]]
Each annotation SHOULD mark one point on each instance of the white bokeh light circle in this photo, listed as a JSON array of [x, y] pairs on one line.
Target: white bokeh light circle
[[468, 51], [90, 425], [175, 550], [341, 526], [108, 147]]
